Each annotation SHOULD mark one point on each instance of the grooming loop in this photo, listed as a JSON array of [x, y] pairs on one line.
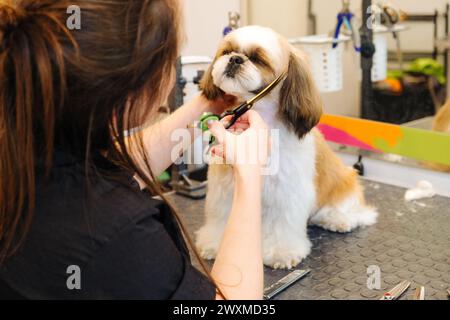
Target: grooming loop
[[346, 19]]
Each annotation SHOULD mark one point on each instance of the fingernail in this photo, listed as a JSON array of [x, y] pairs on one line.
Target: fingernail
[[210, 122]]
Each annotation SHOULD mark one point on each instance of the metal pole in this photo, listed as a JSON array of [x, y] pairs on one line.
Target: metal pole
[[312, 21], [176, 98], [367, 52]]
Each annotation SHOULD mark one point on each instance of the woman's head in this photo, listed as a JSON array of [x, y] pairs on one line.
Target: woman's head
[[75, 90]]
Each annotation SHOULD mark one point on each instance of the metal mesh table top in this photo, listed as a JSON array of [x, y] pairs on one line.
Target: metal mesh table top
[[411, 241]]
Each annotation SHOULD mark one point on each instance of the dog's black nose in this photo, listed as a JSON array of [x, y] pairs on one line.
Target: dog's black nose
[[236, 60]]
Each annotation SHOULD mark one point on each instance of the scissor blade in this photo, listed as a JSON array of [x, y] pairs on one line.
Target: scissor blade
[[243, 108], [266, 90], [419, 294], [404, 286]]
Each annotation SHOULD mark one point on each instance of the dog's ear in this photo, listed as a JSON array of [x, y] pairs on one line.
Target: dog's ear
[[300, 104], [209, 89]]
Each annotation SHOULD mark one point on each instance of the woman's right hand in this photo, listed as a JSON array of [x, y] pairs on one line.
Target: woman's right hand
[[238, 268], [245, 145]]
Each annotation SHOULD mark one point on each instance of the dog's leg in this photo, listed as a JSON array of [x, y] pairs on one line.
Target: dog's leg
[[285, 238], [217, 208], [346, 216], [285, 250], [340, 198], [288, 200], [208, 238]]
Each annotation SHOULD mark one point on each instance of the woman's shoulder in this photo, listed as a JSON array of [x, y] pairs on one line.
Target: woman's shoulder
[[73, 187], [79, 198]]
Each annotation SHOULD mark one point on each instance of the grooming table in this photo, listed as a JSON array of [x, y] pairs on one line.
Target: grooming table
[[411, 241]]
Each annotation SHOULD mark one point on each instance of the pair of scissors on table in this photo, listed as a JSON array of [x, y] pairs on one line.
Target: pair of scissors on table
[[398, 290], [346, 17], [239, 111]]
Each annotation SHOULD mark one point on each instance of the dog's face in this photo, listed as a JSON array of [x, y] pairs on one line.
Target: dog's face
[[250, 58]]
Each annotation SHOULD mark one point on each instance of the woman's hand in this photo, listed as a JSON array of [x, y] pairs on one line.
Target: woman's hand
[[245, 145]]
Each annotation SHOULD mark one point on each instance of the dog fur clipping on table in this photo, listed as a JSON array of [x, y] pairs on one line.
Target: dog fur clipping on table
[[312, 185]]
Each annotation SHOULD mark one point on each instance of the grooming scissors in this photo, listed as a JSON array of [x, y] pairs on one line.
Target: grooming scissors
[[396, 291], [284, 283], [239, 111], [419, 294]]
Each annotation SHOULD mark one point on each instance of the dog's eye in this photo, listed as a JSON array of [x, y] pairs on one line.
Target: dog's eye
[[226, 52], [254, 57], [257, 59]]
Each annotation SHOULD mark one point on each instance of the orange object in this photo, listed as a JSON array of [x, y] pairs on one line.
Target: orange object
[[395, 85]]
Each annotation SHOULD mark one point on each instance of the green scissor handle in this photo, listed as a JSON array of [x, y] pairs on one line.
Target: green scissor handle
[[208, 116]]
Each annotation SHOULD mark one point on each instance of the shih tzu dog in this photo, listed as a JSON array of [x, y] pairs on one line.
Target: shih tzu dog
[[312, 185]]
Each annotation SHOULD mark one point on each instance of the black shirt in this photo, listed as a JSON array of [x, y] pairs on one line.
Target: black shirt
[[125, 244]]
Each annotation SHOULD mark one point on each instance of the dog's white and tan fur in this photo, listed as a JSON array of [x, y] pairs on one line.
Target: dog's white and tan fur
[[312, 185]]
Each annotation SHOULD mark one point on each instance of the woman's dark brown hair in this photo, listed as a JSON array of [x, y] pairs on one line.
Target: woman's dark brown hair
[[78, 91]]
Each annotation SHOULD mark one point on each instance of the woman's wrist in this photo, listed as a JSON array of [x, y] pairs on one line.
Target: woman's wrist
[[248, 172], [248, 183]]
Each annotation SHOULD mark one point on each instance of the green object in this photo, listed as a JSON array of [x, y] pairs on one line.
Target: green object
[[395, 74], [419, 144], [207, 116], [163, 177], [429, 67]]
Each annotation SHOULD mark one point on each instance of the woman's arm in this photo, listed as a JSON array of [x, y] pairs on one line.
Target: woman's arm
[[238, 269], [157, 137]]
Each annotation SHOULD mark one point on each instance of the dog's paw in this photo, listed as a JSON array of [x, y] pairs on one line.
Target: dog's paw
[[283, 262], [208, 254], [280, 258], [207, 243], [334, 220], [337, 225], [368, 216], [207, 251]]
